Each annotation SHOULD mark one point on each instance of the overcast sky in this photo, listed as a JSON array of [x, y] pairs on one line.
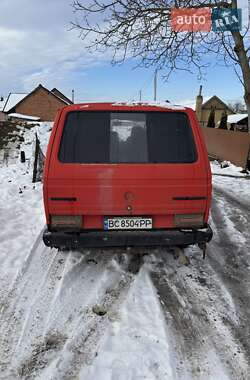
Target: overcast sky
[[36, 46]]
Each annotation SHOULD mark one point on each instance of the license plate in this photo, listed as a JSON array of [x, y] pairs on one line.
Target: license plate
[[128, 224]]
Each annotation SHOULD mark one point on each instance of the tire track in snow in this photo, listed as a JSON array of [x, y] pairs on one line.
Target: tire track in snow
[[38, 273], [198, 317], [208, 304], [82, 347], [236, 210], [229, 256], [185, 339], [48, 302], [136, 344], [232, 199]]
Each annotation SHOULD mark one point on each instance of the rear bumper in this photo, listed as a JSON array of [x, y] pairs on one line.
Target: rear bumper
[[127, 238]]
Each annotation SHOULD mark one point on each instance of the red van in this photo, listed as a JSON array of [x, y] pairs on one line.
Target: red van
[[126, 175]]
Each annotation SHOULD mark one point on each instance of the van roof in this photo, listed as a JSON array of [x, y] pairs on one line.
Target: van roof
[[126, 106]]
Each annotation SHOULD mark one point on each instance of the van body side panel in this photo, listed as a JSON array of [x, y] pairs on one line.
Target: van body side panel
[[207, 166], [46, 170], [98, 190]]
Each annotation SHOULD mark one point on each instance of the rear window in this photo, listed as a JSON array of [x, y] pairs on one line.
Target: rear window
[[122, 137]]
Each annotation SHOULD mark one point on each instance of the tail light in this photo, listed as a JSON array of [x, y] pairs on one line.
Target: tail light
[[66, 221], [189, 220]]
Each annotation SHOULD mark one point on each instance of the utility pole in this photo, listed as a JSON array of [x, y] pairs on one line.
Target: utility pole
[[73, 96], [155, 86], [140, 95]]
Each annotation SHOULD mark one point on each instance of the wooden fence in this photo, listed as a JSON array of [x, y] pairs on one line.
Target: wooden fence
[[38, 164], [227, 145]]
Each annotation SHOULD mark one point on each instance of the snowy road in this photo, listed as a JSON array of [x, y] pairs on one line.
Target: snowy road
[[161, 319]]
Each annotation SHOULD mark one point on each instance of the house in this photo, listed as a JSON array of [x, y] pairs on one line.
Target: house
[[213, 104], [40, 103], [238, 122]]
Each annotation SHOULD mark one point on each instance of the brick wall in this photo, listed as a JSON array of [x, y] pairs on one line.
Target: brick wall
[[40, 103]]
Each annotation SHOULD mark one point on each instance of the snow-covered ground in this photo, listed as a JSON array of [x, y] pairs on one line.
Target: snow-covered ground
[[232, 182], [226, 168], [21, 205], [113, 315]]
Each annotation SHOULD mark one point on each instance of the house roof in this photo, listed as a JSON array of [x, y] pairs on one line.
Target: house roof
[[192, 103], [206, 104], [188, 104], [21, 99], [61, 96], [234, 119], [12, 100]]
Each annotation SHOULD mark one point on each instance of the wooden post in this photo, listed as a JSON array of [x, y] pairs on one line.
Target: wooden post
[[35, 160]]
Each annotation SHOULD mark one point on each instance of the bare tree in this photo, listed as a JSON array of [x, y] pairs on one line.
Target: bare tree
[[142, 29], [223, 121], [238, 107], [211, 119]]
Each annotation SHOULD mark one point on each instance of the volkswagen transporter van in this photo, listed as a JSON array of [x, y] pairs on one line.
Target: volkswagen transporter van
[[126, 175]]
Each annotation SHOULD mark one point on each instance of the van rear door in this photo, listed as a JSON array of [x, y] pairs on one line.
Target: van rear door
[[128, 164]]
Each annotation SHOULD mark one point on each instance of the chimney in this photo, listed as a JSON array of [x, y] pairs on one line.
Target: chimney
[[198, 106]]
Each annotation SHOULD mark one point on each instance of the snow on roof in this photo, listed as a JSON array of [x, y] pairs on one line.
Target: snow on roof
[[12, 100], [190, 103], [2, 103], [153, 104], [26, 117], [234, 119]]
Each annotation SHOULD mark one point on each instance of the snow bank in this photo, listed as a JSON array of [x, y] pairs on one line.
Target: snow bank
[[43, 131], [21, 204], [237, 188], [21, 215], [229, 169]]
